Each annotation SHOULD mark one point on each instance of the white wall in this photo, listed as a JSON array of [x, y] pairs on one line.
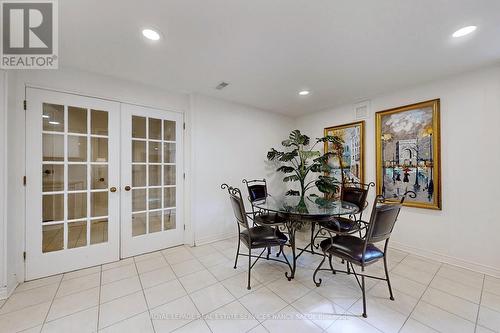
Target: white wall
[[466, 231], [230, 142]]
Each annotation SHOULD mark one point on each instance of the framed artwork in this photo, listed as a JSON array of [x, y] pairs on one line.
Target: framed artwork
[[350, 168], [408, 153]]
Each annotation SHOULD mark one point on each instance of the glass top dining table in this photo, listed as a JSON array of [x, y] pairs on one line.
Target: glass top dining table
[[297, 212], [312, 206]]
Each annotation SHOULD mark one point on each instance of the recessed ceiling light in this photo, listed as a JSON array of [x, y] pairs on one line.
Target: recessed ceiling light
[[304, 92], [151, 34], [464, 31]]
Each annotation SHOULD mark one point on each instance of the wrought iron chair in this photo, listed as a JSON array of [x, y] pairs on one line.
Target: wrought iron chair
[[257, 237], [355, 193], [362, 251], [257, 191]]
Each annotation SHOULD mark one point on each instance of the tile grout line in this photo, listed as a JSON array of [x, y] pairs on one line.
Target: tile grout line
[[480, 301], [187, 294], [51, 303], [145, 299], [99, 301], [420, 299]]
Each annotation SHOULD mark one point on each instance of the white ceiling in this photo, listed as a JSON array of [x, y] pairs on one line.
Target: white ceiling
[[268, 50]]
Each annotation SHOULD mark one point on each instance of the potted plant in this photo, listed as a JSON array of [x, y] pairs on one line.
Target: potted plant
[[299, 159]]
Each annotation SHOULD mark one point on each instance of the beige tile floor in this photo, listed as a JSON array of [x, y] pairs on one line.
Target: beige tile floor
[[196, 289]]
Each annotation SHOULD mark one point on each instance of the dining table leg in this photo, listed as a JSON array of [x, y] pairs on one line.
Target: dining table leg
[[291, 234]]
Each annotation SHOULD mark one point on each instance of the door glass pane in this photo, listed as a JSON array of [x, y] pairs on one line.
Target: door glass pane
[[77, 205], [77, 234], [138, 151], [52, 177], [138, 200], [99, 149], [154, 175], [154, 221], [138, 175], [169, 152], [52, 237], [169, 130], [53, 207], [138, 127], [98, 204], [169, 197], [154, 152], [169, 219], [99, 122], [98, 231], [99, 177], [77, 148], [138, 224], [53, 147], [77, 177], [154, 198], [77, 120], [169, 175], [155, 129], [53, 117]]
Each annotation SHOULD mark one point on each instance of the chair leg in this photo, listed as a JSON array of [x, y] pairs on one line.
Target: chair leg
[[317, 270], [268, 252], [280, 252], [364, 295], [388, 280], [237, 254], [331, 265], [348, 268], [249, 266]]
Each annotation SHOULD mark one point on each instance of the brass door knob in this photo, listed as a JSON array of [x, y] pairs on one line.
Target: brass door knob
[[113, 189], [127, 188]]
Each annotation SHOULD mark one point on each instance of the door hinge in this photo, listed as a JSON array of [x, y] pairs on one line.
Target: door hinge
[[24, 181], [24, 255], [184, 125], [184, 175], [184, 227], [24, 105]]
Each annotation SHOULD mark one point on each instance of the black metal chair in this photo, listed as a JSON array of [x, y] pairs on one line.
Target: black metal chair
[[355, 193], [257, 237], [257, 191], [362, 251]]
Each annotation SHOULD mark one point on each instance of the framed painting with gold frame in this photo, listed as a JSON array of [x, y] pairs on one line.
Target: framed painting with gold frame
[[352, 162], [408, 152]]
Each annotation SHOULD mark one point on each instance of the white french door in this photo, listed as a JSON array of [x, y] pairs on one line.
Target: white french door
[[72, 198], [152, 178], [104, 181]]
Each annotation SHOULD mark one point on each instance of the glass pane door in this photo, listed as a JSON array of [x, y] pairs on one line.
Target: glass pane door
[[151, 165], [73, 151]]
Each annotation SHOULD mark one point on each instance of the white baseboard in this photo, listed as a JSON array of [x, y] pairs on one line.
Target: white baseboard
[[488, 270], [5, 292], [213, 238]]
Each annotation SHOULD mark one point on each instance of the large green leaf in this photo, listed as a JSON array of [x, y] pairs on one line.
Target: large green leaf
[[292, 193], [327, 184], [273, 154], [288, 156], [292, 178], [298, 138], [285, 169]]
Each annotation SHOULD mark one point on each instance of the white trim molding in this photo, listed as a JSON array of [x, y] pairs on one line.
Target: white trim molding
[[488, 270]]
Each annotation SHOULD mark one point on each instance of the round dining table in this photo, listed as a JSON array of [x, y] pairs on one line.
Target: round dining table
[[297, 213]]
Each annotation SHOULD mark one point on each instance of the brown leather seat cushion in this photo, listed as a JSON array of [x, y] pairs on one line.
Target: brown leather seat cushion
[[351, 248], [263, 236], [269, 219], [345, 224]]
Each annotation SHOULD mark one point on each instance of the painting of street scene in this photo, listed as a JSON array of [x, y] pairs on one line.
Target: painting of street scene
[[352, 152], [408, 154]]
